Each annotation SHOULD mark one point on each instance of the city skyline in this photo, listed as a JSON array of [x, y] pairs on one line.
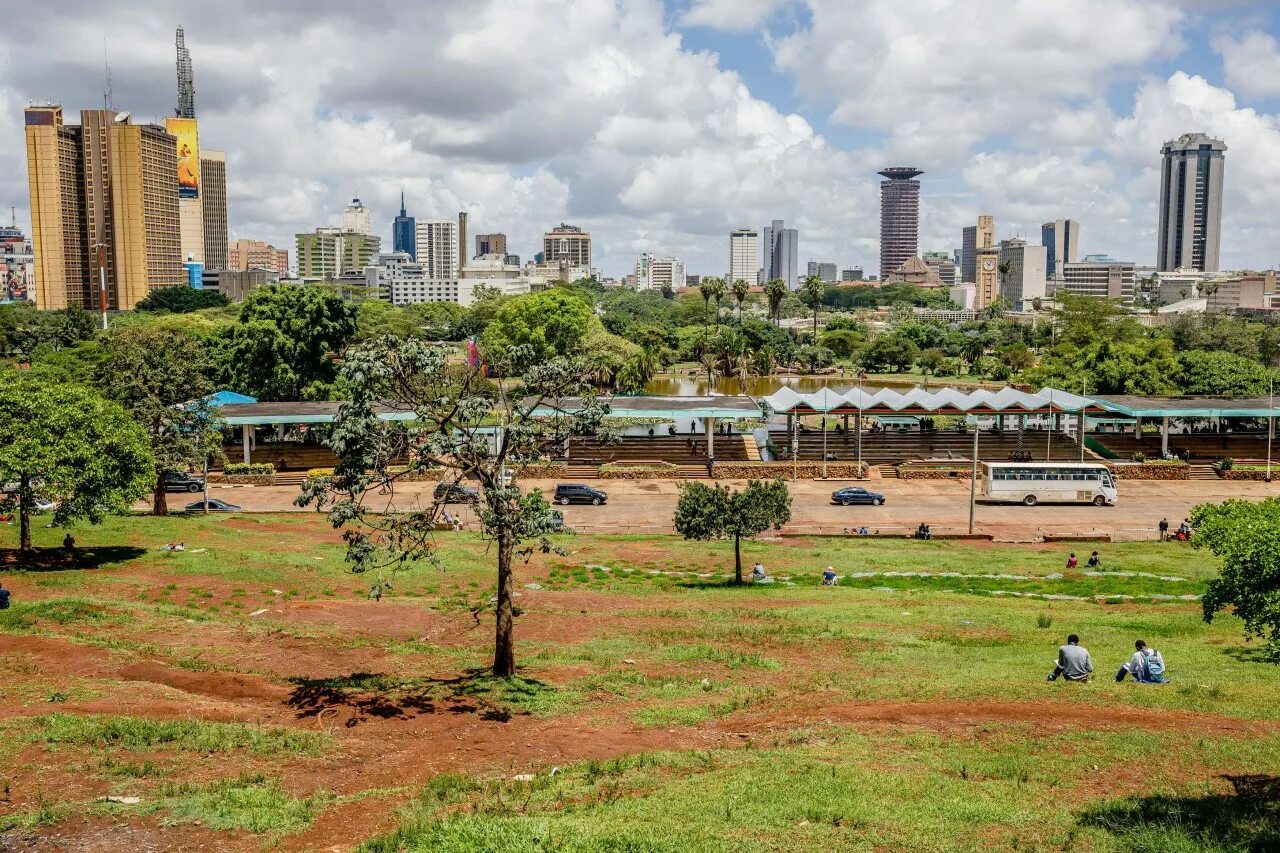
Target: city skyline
[[765, 135]]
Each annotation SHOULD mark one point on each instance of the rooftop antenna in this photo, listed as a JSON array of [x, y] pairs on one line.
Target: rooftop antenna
[[108, 97]]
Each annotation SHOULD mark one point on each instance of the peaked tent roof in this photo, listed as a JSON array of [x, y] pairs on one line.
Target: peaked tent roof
[[919, 401]]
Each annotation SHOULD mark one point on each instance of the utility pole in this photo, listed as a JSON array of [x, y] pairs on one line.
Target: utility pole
[[973, 477]]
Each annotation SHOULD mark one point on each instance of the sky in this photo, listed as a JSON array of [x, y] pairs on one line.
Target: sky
[[660, 127]]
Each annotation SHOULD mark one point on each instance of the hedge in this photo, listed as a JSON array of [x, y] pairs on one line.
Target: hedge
[[234, 469], [841, 470], [647, 471]]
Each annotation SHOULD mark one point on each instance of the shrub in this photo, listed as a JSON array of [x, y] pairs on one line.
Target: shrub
[[251, 469], [1139, 457], [319, 472], [1223, 465]]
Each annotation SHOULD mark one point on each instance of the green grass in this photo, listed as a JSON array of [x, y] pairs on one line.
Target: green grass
[[249, 803], [137, 733]]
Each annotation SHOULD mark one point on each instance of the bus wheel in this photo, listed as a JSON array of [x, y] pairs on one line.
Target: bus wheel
[[1029, 500], [1099, 500]]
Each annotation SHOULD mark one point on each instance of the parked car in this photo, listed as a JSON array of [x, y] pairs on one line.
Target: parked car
[[178, 481], [456, 493], [215, 505], [856, 495], [576, 493]]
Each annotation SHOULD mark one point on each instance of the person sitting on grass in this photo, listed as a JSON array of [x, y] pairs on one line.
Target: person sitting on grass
[[1074, 663], [1072, 562], [69, 542], [1146, 666], [757, 572], [1094, 562], [829, 576], [4, 598]]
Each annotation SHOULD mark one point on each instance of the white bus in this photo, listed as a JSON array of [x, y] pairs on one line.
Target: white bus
[[1031, 483]]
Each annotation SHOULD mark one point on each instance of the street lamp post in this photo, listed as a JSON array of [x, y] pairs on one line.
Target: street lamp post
[[861, 374], [795, 448], [1084, 389], [1048, 442], [824, 445], [1271, 421], [973, 476]]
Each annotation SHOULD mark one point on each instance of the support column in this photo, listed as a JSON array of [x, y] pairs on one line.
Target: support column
[[711, 437], [1164, 436], [244, 432]]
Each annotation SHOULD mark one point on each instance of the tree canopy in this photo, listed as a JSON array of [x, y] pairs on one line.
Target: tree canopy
[[181, 299], [537, 328], [711, 512], [66, 444], [1246, 535]]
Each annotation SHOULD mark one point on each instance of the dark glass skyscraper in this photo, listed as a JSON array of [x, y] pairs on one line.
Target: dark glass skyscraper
[[403, 232], [899, 217]]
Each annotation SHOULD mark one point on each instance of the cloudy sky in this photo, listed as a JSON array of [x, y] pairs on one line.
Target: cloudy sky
[[661, 126]]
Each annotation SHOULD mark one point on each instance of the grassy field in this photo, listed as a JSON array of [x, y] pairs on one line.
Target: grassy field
[[246, 694]]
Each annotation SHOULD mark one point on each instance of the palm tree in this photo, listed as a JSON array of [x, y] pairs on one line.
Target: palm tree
[[712, 289], [814, 288], [775, 291], [740, 290]]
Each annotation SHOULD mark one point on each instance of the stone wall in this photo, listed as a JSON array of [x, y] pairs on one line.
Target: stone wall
[[933, 472], [1152, 471], [1246, 474], [648, 471]]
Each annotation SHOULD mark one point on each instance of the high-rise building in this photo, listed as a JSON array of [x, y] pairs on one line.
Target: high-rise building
[[851, 274], [1061, 237], [403, 236], [190, 183], [944, 266], [1191, 203], [780, 253], [826, 272], [1025, 277], [213, 207], [257, 255], [356, 218], [17, 263], [186, 79], [667, 273], [462, 239], [899, 217], [744, 251], [437, 248], [1097, 276], [980, 236], [490, 244], [328, 253], [104, 198], [567, 244]]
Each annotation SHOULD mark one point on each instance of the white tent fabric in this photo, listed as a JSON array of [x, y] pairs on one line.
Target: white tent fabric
[[1009, 400]]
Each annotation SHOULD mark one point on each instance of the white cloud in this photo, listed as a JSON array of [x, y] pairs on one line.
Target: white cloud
[[1251, 63], [729, 15]]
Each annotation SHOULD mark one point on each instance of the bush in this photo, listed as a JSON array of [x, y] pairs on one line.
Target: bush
[[1139, 457], [1223, 465], [252, 469], [319, 472]]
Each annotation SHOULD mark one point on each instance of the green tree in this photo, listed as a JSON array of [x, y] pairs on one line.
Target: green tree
[[890, 352], [1246, 536], [67, 444], [844, 343], [775, 290], [539, 326], [437, 321], [1221, 374], [712, 290], [453, 406], [181, 299], [740, 290], [814, 289], [931, 361], [287, 340], [707, 512], [1018, 357], [161, 377]]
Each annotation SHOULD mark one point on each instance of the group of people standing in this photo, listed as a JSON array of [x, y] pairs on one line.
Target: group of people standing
[[1146, 664]]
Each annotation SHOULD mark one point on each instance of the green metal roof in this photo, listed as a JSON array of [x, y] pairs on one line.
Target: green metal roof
[[1188, 407]]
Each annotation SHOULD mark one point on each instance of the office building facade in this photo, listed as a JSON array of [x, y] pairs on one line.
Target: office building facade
[[567, 244], [744, 255], [103, 194], [1097, 276], [1191, 175], [257, 255], [943, 266], [1061, 238], [851, 274], [975, 237], [1026, 279], [490, 244], [780, 255], [664, 273], [437, 248], [213, 207], [826, 272], [899, 217], [326, 254], [356, 218], [404, 237]]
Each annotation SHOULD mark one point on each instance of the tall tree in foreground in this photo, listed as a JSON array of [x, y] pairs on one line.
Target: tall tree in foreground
[[712, 290], [66, 444], [711, 512], [775, 290], [161, 377], [1246, 536], [464, 424], [740, 290]]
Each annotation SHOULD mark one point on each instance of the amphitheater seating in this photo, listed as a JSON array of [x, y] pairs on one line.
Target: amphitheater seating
[[887, 448]]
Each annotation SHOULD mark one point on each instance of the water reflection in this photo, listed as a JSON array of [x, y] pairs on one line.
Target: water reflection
[[762, 386]]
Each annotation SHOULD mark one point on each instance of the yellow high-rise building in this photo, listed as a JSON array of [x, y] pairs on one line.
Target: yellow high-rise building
[[104, 203]]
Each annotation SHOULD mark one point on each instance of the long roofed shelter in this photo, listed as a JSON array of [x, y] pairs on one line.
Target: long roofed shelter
[[1243, 445]]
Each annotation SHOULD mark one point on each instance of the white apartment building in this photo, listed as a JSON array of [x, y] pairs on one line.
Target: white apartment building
[[1177, 285], [1097, 276], [667, 272], [356, 219], [492, 265], [436, 245], [401, 280], [744, 253], [1026, 279]]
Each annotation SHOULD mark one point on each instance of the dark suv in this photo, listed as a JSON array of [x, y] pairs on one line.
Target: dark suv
[[576, 493], [456, 493], [176, 481]]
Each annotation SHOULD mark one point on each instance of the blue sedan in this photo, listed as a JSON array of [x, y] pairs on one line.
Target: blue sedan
[[856, 495]]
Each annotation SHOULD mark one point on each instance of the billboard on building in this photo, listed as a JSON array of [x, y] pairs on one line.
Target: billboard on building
[[184, 130]]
